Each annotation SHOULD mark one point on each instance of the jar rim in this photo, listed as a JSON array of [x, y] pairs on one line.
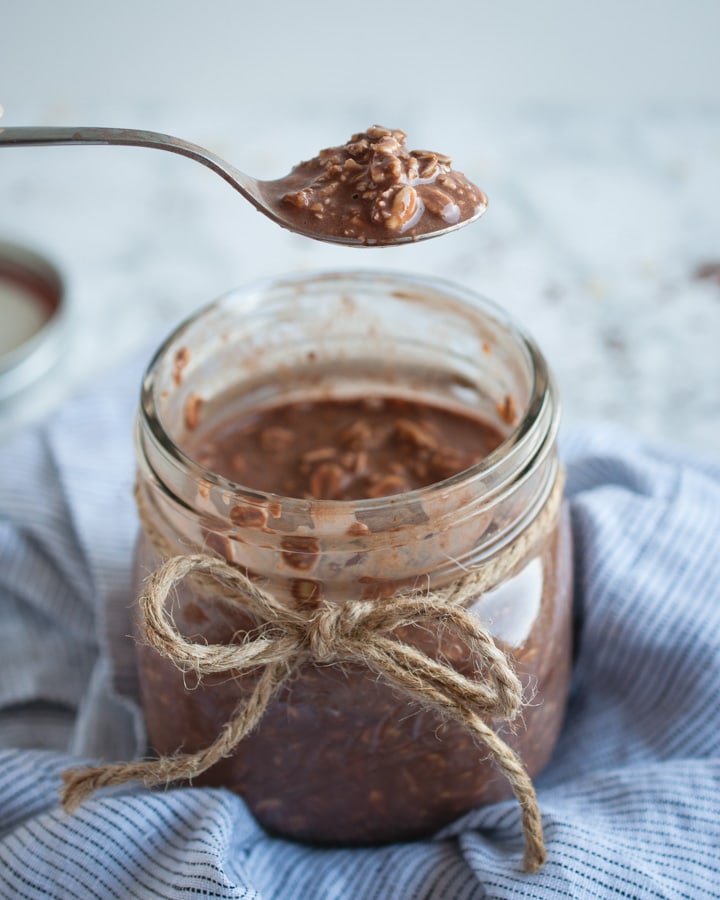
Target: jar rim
[[503, 458], [32, 356]]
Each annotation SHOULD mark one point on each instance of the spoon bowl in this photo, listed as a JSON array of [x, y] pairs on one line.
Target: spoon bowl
[[265, 196]]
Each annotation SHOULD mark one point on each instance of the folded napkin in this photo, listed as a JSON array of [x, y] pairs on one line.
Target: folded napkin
[[630, 800]]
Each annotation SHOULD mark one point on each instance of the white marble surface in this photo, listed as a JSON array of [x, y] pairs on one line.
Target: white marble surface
[[597, 224]]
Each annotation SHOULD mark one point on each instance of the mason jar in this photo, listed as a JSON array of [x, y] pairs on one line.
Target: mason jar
[[341, 756]]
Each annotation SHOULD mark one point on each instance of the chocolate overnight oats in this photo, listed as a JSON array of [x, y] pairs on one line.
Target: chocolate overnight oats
[[316, 434], [350, 449], [374, 190]]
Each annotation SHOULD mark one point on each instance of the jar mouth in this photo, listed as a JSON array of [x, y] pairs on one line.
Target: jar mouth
[[529, 438]]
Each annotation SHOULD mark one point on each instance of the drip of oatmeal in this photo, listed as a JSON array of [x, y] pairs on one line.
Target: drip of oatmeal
[[373, 190]]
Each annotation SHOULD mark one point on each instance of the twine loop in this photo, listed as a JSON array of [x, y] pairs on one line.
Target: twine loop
[[370, 633]]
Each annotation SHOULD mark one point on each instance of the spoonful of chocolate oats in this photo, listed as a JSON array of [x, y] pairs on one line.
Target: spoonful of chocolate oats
[[369, 191], [372, 190]]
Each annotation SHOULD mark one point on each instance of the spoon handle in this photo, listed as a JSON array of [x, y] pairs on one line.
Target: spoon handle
[[30, 135]]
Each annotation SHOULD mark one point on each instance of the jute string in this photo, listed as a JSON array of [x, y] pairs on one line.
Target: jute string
[[358, 631]]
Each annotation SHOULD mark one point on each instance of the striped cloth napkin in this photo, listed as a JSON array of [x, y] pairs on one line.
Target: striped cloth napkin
[[630, 800]]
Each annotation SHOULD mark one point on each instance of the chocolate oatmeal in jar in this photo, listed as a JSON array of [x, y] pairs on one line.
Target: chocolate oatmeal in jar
[[355, 441]]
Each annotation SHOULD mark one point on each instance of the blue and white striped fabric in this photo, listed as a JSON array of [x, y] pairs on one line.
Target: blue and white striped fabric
[[630, 801]]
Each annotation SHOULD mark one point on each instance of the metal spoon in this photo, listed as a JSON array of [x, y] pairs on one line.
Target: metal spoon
[[265, 196]]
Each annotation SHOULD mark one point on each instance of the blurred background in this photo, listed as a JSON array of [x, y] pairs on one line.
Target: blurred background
[[593, 128]]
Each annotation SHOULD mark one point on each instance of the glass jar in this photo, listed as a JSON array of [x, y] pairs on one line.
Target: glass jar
[[339, 755]]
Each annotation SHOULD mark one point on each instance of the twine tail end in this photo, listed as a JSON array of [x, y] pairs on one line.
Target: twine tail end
[[534, 858], [79, 784]]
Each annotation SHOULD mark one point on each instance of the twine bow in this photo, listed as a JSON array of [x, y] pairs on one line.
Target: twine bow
[[357, 631]]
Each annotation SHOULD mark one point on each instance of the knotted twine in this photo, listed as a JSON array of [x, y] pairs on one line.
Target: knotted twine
[[357, 631]]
